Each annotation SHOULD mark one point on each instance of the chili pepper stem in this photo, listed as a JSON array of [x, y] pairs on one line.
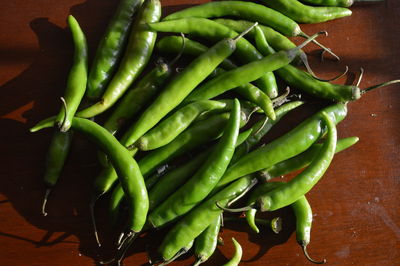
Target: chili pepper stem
[[177, 255], [292, 53], [302, 34], [304, 59], [46, 197], [278, 101], [304, 247], [64, 103], [380, 85], [234, 210], [180, 52], [276, 225], [244, 32], [92, 217], [131, 236]]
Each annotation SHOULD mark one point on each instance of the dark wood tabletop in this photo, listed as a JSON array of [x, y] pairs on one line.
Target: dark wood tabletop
[[356, 204]]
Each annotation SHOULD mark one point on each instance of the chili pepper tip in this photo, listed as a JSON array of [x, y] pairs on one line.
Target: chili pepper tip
[[46, 196], [304, 247]]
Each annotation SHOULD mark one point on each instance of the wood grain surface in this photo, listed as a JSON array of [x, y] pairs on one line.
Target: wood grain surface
[[356, 204]]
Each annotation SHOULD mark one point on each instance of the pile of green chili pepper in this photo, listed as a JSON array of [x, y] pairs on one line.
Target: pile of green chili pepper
[[178, 149]]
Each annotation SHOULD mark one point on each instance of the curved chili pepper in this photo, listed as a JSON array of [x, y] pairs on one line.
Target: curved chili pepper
[[303, 159], [237, 256], [138, 96], [304, 216], [56, 155], [206, 243], [168, 129], [171, 44], [246, 10], [198, 219], [175, 92], [248, 90], [136, 57], [242, 9], [183, 200], [291, 144], [297, 78], [110, 48], [77, 77], [198, 134], [307, 14], [263, 127], [276, 39], [214, 31], [172, 180], [245, 73], [302, 183]]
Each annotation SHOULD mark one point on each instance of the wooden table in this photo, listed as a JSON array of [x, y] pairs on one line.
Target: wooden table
[[356, 210]]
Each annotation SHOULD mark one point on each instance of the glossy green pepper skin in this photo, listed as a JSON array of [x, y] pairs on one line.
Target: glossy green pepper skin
[[302, 183], [206, 243], [237, 256], [291, 144], [307, 14], [304, 159], [243, 10], [214, 31], [198, 219], [110, 48], [178, 88], [168, 129], [137, 97], [201, 184], [137, 54], [175, 178], [77, 77]]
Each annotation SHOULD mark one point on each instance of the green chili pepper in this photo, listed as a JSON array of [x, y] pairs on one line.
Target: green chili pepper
[[241, 9], [257, 193], [284, 147], [126, 167], [302, 183], [206, 243], [307, 14], [198, 134], [56, 155], [304, 216], [168, 129], [183, 200], [137, 97], [237, 256], [248, 90], [110, 48], [214, 31], [303, 159], [242, 74], [136, 57], [199, 218], [76, 84], [277, 40], [171, 44], [263, 127], [297, 78], [172, 180], [175, 92], [275, 224]]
